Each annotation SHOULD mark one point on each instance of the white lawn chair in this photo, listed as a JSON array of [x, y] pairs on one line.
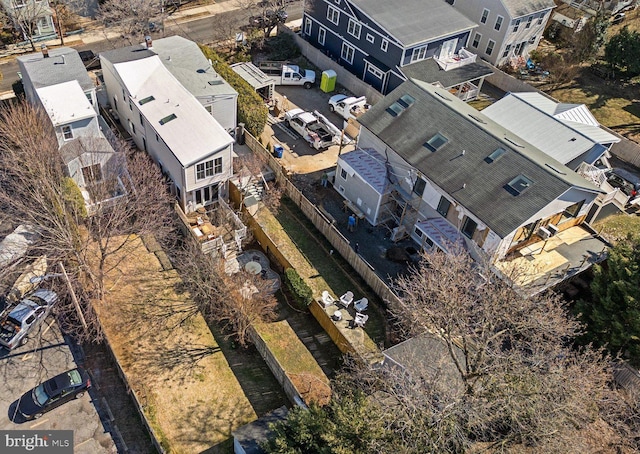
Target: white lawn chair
[[327, 299], [346, 299], [361, 305], [360, 320]]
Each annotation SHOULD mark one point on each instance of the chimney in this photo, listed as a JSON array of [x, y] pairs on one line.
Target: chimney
[[148, 41], [45, 51]]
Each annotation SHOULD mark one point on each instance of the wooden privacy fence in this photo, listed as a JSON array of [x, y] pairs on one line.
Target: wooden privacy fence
[[325, 226]]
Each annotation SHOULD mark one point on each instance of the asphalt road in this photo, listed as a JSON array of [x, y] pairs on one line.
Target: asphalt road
[[205, 30]]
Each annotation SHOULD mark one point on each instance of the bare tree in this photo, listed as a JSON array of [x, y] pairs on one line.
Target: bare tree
[[519, 382], [132, 18], [236, 300], [25, 16]]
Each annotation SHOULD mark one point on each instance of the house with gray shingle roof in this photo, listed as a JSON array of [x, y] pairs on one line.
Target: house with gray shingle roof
[[56, 80], [454, 176], [508, 30], [385, 43]]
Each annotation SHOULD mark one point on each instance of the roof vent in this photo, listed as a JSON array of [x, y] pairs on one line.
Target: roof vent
[[515, 144], [478, 119], [555, 169], [442, 96]]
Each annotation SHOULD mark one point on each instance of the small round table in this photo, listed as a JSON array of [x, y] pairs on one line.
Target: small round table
[[337, 316], [253, 268]]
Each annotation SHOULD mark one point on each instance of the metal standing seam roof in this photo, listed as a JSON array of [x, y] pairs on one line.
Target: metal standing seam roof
[[252, 74], [519, 8], [460, 167], [184, 59], [193, 134], [415, 21], [369, 167], [44, 72], [65, 103], [563, 131]]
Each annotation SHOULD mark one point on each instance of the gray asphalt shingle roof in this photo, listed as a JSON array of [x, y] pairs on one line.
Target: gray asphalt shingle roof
[[518, 8], [55, 70], [459, 167], [415, 21]]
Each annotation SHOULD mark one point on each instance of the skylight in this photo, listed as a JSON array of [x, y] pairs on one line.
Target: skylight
[[143, 101], [406, 101], [518, 185], [395, 109], [493, 157], [436, 142], [167, 119]]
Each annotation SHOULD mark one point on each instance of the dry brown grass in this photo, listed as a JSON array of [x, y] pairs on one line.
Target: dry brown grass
[[176, 367]]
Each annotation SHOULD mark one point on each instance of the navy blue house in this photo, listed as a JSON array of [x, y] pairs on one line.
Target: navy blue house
[[386, 42]]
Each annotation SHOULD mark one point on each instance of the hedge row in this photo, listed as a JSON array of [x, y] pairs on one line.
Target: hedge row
[[298, 287], [251, 108]]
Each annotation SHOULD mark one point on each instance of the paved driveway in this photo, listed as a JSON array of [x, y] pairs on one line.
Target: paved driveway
[[41, 358]]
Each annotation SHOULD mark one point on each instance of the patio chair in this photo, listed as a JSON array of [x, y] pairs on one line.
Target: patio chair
[[327, 299], [361, 305], [346, 299], [360, 320]]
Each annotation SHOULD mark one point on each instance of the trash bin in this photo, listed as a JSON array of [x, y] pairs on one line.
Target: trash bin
[[328, 81], [240, 134], [278, 150]]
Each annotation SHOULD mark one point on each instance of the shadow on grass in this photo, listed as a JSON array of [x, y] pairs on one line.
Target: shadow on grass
[[336, 271]]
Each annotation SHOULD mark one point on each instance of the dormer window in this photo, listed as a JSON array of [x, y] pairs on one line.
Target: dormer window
[[436, 142], [519, 184]]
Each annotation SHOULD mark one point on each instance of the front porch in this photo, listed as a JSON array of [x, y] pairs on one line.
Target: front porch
[[545, 263]]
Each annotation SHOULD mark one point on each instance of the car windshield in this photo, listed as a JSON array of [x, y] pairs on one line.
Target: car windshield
[[40, 395], [74, 377]]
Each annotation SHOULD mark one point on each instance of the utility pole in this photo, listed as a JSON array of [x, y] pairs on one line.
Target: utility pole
[[73, 297]]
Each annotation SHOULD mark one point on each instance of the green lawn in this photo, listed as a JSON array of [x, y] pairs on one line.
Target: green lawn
[[333, 268]]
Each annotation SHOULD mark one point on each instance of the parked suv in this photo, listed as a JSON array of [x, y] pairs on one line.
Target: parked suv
[[25, 317], [628, 182]]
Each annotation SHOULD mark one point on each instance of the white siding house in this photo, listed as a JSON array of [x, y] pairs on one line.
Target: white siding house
[[508, 30], [167, 121]]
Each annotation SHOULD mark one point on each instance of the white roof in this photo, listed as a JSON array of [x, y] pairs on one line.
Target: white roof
[[188, 129], [562, 131], [65, 103]]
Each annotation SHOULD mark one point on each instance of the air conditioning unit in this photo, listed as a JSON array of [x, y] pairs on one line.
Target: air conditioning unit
[[553, 229], [544, 233]]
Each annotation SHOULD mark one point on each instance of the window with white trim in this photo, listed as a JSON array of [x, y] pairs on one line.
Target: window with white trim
[[498, 24], [541, 19], [490, 46], [516, 25], [476, 40], [307, 26], [208, 169], [333, 15], [375, 71], [506, 51], [347, 53], [485, 16], [371, 38], [419, 53], [322, 33], [532, 40], [469, 227], [528, 25], [67, 132], [384, 45], [354, 28]]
